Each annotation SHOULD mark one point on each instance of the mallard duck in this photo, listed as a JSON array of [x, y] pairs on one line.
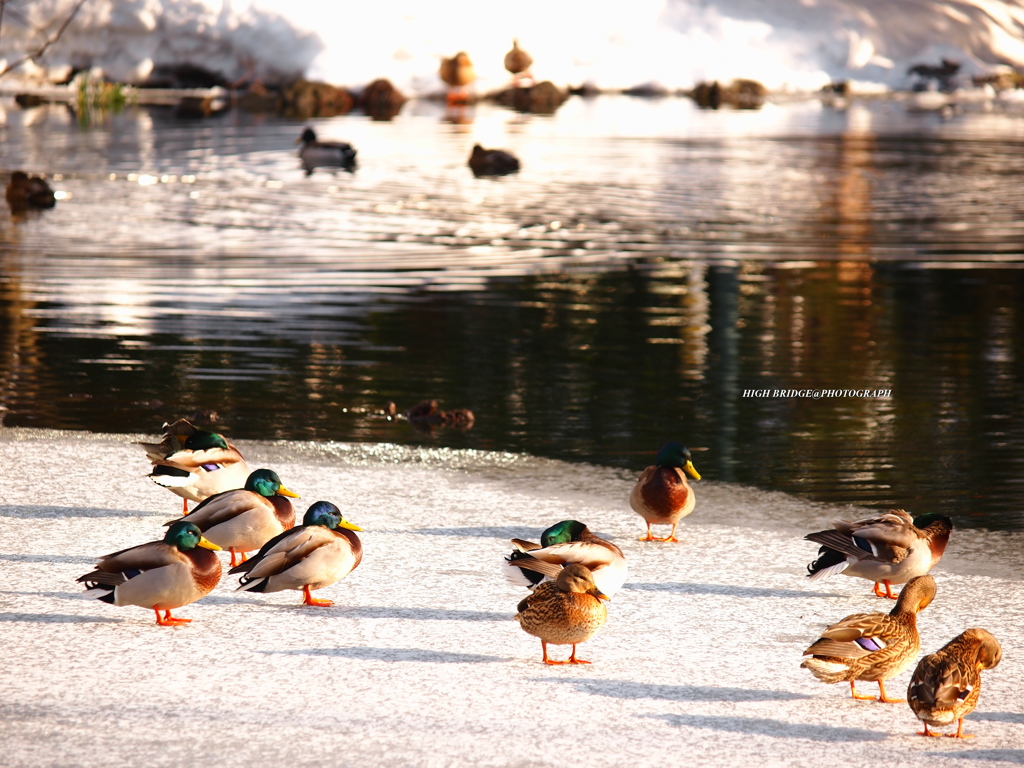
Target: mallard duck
[[518, 61], [195, 464], [25, 192], [160, 575], [492, 162], [246, 518], [889, 549], [566, 611], [661, 495], [314, 555], [872, 646], [457, 72], [569, 541], [325, 154], [946, 684]]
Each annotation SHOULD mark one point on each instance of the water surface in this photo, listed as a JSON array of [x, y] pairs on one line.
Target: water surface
[[649, 265]]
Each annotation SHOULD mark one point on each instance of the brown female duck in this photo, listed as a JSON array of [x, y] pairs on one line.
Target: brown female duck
[[947, 684], [872, 646], [566, 611]]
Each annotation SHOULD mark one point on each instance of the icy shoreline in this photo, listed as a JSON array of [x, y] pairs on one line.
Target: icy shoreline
[[419, 661]]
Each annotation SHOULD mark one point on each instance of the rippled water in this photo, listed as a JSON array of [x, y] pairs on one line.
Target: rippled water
[[650, 264]]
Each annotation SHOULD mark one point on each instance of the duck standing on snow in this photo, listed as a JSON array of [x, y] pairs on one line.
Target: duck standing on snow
[[492, 162], [662, 496], [947, 684], [569, 541], [518, 61], [872, 646], [889, 549], [566, 611], [316, 554], [247, 518], [324, 154], [160, 575], [194, 463], [458, 72]]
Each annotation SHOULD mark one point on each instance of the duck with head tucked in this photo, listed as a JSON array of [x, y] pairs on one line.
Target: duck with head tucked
[[195, 463], [492, 162], [246, 518], [946, 685], [160, 575], [26, 192], [888, 549], [566, 611], [566, 542], [872, 646], [662, 496], [314, 555], [324, 154]]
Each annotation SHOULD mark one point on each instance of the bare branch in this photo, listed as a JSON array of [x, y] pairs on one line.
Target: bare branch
[[49, 41]]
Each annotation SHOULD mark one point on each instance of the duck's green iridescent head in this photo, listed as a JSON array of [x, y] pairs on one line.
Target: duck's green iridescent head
[[266, 482], [677, 455], [329, 516], [185, 536], [562, 533], [204, 441]]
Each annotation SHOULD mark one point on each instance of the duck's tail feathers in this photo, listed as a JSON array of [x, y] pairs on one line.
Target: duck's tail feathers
[[829, 563], [252, 585], [518, 573], [171, 477]]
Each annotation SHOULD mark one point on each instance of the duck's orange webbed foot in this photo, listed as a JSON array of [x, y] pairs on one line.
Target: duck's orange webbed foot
[[877, 589], [308, 599], [959, 731], [926, 732], [861, 696], [884, 698], [573, 659], [169, 621]]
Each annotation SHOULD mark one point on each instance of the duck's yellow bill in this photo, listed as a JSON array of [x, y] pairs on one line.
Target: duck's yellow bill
[[346, 524], [282, 491], [692, 470], [600, 595], [205, 543]]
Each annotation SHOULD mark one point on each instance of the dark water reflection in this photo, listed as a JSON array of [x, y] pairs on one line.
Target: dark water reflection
[[620, 291]]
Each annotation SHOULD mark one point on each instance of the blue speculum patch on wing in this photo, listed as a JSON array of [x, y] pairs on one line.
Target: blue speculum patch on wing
[[870, 643], [210, 467]]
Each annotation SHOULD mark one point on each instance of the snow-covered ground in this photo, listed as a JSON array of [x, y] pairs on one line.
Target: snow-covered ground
[[795, 44], [419, 662]]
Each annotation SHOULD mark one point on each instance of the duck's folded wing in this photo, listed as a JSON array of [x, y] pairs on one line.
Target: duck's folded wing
[[859, 546], [205, 459], [523, 560], [852, 638], [592, 555], [939, 682], [524, 546], [141, 558], [220, 507], [289, 548]]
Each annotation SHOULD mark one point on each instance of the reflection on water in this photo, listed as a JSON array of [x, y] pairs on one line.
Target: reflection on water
[[626, 287]]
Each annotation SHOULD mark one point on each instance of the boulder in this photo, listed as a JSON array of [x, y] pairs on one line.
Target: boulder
[[308, 98], [541, 99]]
